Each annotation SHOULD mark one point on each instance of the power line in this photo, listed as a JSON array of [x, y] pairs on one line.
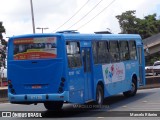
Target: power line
[[86, 14], [97, 14], [72, 16]]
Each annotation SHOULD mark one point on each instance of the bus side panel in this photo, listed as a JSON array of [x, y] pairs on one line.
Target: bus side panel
[[76, 85], [131, 69], [98, 76]]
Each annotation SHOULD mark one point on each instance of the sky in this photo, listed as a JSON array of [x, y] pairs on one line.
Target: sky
[[52, 14]]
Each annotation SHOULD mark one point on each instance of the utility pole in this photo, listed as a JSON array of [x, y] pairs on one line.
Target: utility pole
[[32, 16]]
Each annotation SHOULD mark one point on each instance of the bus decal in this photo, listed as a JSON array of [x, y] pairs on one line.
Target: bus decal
[[71, 73], [35, 48], [113, 72], [71, 87]]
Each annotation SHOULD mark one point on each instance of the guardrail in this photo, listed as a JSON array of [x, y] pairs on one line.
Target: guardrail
[[153, 71], [152, 82]]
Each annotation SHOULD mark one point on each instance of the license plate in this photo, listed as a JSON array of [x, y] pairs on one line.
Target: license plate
[[37, 97]]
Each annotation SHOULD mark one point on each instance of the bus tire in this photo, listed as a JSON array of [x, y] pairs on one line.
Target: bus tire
[[55, 105], [99, 95], [133, 90]]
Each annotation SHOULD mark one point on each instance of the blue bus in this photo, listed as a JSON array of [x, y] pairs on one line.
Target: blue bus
[[73, 68]]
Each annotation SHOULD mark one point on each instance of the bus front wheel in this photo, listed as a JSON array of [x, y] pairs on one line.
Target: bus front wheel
[[56, 105], [133, 90], [99, 95]]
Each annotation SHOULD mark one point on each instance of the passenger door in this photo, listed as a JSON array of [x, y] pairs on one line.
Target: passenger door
[[86, 57], [141, 65]]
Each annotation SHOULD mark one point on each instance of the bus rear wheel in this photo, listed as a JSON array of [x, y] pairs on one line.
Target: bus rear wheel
[[55, 105], [133, 90], [99, 95]]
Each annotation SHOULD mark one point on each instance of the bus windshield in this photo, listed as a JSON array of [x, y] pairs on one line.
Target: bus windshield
[[35, 48]]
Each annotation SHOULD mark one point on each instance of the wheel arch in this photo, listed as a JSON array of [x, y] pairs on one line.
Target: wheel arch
[[133, 89], [99, 92], [134, 77], [101, 84]]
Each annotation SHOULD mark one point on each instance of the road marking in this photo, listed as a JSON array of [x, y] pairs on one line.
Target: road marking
[[144, 101], [124, 106], [100, 117]]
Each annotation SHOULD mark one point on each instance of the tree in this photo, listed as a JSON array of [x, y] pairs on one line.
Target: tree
[[127, 22], [146, 27], [2, 29], [3, 46]]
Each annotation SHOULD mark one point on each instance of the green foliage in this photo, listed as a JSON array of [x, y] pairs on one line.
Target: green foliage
[[127, 22], [2, 29], [4, 43], [146, 27]]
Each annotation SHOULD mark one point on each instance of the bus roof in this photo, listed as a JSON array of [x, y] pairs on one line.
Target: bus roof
[[73, 36], [101, 36]]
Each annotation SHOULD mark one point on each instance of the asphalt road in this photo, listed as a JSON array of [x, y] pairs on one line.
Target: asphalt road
[[117, 107]]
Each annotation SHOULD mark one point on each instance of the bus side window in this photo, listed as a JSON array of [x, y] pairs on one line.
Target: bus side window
[[73, 54], [95, 53], [124, 50], [103, 54], [132, 50], [114, 51]]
